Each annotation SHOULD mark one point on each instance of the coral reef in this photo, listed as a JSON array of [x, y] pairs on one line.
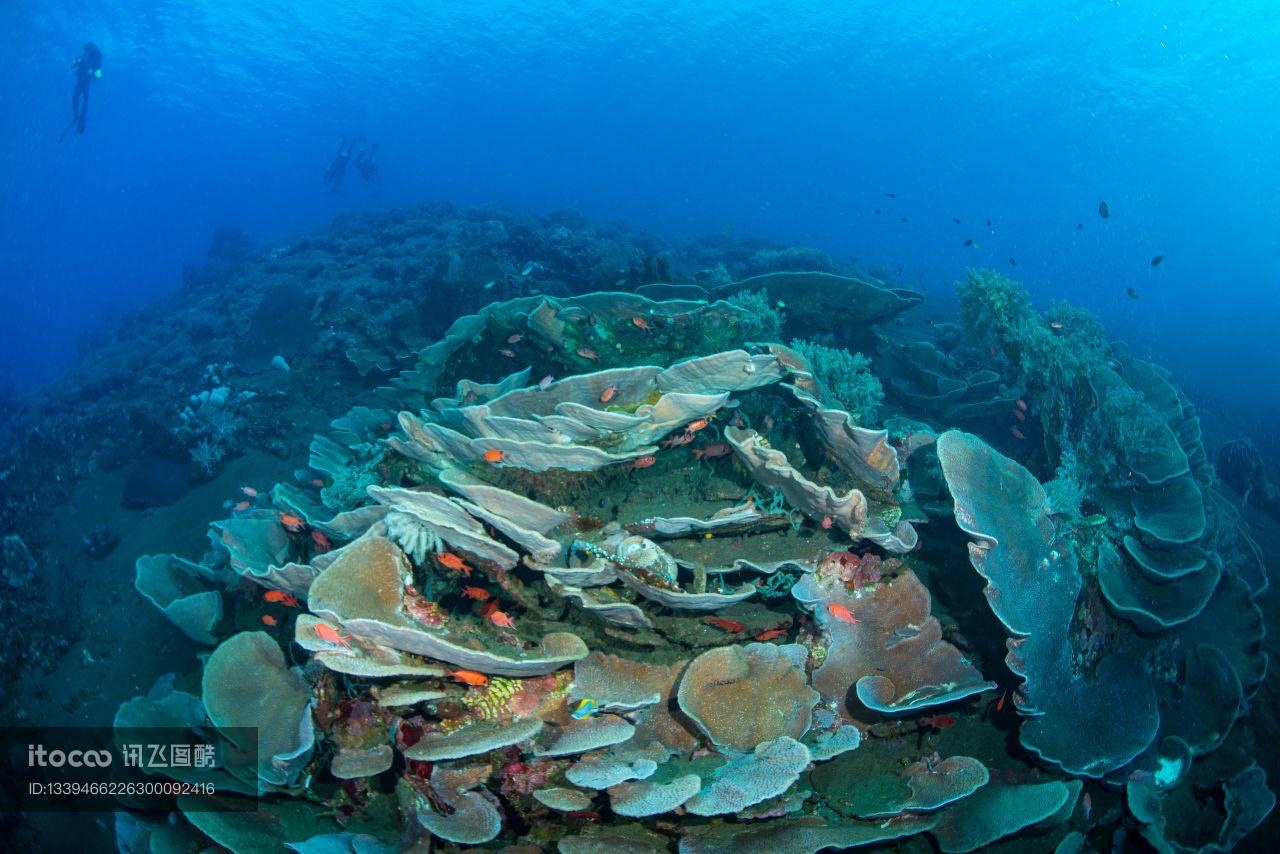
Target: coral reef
[[597, 561]]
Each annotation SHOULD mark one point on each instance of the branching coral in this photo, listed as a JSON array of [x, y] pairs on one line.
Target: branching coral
[[844, 378], [762, 321]]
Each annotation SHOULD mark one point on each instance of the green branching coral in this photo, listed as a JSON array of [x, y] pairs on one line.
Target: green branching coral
[[762, 321], [844, 379], [1055, 356]]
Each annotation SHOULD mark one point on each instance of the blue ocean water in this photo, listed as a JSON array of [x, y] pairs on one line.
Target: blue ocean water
[[787, 120]]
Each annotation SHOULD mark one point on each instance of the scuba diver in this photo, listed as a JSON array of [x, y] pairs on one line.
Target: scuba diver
[[337, 171], [88, 68], [367, 167]]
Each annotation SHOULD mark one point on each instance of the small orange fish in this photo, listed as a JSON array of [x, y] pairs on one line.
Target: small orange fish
[[318, 483], [1000, 702], [696, 426], [827, 522], [493, 455], [842, 613], [498, 618], [452, 561], [510, 354], [469, 677], [292, 522], [241, 505], [609, 394], [641, 323], [725, 624], [515, 338], [279, 597], [588, 354], [488, 608], [1020, 415], [477, 593], [771, 634], [320, 541], [268, 620], [249, 491], [711, 452], [1022, 404], [642, 462], [331, 635], [768, 423], [938, 721], [676, 440], [1017, 434]]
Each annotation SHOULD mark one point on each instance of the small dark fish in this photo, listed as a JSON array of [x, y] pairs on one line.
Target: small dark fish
[[891, 195], [1104, 210], [956, 220], [1079, 226], [877, 212], [1013, 262], [988, 222], [969, 242], [1155, 262], [1132, 293], [904, 219]]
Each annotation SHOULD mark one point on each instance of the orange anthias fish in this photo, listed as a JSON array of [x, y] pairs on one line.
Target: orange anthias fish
[[938, 721], [1017, 434], [842, 613], [1022, 404], [292, 522], [320, 541], [249, 491], [771, 634], [1020, 415], [469, 677], [641, 323], [498, 618], [1000, 702], [725, 624], [477, 593], [331, 635], [279, 597], [268, 620], [515, 338], [241, 505], [493, 455], [452, 561], [588, 354], [696, 426], [510, 354], [609, 394], [827, 522]]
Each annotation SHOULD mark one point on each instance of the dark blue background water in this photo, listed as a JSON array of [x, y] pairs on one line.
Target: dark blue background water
[[785, 120]]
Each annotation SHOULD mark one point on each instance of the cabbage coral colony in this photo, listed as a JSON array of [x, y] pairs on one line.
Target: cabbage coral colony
[[674, 583]]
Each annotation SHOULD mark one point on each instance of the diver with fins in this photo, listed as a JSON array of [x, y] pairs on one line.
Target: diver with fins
[[88, 68]]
